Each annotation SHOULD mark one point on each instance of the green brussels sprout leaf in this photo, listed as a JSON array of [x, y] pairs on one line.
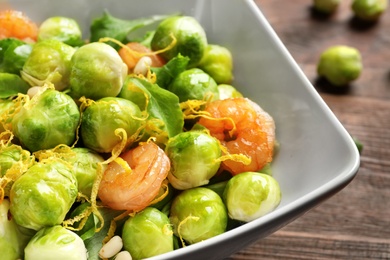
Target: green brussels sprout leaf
[[169, 71], [162, 105], [112, 27], [11, 85], [13, 55], [94, 244]]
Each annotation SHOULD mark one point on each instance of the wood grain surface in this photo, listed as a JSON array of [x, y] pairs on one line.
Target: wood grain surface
[[355, 223]]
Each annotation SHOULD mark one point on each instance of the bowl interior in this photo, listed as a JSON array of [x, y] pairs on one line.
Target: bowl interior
[[317, 156]]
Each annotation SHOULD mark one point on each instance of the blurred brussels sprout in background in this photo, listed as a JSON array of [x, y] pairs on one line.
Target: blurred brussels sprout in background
[[47, 120], [194, 159], [13, 55], [340, 64], [12, 239], [369, 10], [49, 61], [97, 71], [148, 233], [198, 214], [61, 28], [194, 84], [85, 166], [228, 91], [326, 6], [190, 35], [250, 195], [103, 117], [218, 63], [43, 195], [55, 242]]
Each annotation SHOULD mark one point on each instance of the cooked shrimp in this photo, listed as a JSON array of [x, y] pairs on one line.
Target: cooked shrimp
[[16, 24], [136, 52], [135, 181], [243, 128]]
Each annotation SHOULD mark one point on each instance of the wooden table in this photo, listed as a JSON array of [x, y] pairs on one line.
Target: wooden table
[[355, 223]]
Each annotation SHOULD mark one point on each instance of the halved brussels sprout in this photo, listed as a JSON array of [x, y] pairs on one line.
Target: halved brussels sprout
[[198, 214], [103, 117], [97, 71], [218, 63], [250, 195], [55, 242], [61, 28], [148, 233], [190, 35], [43, 195], [49, 61], [47, 120], [194, 84], [194, 159]]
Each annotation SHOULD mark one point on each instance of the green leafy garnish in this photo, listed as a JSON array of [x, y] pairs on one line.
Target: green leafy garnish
[[11, 85]]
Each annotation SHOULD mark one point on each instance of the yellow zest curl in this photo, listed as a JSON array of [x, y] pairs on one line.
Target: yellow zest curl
[[112, 228], [15, 171], [181, 224], [140, 54]]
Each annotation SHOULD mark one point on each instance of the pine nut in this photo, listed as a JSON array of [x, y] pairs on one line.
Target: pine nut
[[124, 255], [111, 248], [143, 65]]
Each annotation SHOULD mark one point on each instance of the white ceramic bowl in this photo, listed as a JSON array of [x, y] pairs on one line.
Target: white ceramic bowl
[[317, 156]]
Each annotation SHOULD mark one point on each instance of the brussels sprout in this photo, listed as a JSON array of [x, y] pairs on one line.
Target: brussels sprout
[[326, 6], [85, 166], [190, 35], [340, 64], [97, 71], [198, 214], [218, 63], [61, 28], [49, 119], [250, 195], [14, 161], [12, 240], [49, 61], [194, 159], [148, 233], [194, 84], [43, 195], [13, 55], [55, 243], [228, 91], [369, 10], [103, 117]]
